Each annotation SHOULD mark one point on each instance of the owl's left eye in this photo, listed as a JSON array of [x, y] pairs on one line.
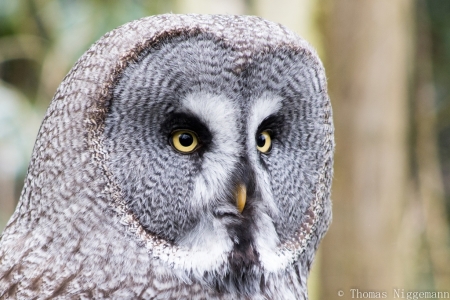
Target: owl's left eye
[[184, 141], [264, 142]]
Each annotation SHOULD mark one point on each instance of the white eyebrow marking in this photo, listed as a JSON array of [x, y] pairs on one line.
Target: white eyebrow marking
[[266, 105], [217, 112]]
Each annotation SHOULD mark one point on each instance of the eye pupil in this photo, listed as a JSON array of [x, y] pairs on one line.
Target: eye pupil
[[261, 141], [186, 139]]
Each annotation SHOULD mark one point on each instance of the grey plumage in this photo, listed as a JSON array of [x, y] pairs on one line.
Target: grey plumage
[[110, 210]]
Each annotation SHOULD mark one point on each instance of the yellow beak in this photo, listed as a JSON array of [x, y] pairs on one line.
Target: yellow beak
[[241, 197]]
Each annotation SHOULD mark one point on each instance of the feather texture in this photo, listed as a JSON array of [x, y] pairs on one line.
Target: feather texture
[[110, 210]]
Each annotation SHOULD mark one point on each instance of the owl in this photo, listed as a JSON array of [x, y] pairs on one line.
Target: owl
[[182, 157]]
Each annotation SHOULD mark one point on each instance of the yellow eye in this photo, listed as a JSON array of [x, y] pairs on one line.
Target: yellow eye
[[184, 141], [264, 142]]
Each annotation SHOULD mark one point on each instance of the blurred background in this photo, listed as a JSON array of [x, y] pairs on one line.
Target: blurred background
[[388, 68]]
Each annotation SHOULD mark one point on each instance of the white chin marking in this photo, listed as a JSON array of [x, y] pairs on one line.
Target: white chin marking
[[267, 243], [209, 245]]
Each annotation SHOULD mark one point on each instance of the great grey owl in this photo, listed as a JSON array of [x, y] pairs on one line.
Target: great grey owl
[[182, 157]]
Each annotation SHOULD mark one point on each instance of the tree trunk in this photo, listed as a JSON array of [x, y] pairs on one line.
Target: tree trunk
[[367, 61]]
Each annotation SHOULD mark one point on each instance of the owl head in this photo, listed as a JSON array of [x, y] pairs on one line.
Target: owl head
[[217, 139], [205, 140]]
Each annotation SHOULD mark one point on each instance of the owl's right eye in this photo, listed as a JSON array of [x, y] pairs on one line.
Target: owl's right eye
[[184, 141]]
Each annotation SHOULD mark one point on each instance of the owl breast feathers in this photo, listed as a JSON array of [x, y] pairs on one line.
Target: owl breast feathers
[[182, 157]]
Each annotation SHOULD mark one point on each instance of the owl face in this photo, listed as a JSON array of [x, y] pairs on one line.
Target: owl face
[[217, 155]]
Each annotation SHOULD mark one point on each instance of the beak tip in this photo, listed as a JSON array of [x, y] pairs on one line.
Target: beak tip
[[241, 197]]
